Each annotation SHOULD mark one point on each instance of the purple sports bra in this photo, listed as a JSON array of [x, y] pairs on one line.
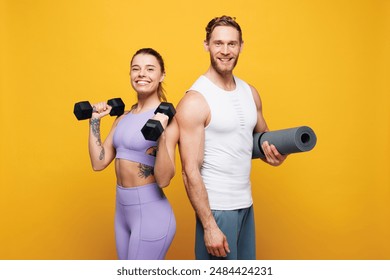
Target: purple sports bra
[[129, 142]]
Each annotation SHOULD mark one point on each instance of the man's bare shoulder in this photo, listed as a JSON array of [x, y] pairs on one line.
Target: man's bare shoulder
[[192, 96], [256, 97], [193, 106], [193, 101]]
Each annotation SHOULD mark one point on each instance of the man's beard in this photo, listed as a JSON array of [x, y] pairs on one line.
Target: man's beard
[[225, 70]]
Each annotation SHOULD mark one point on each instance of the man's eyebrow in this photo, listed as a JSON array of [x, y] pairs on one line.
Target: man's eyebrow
[[222, 41]]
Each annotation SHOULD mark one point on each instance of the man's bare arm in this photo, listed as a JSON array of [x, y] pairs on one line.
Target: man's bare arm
[[272, 155], [192, 115]]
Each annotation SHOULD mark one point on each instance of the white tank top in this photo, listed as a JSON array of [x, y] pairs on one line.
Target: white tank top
[[228, 144]]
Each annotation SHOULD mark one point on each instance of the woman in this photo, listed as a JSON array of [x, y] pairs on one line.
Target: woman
[[144, 221]]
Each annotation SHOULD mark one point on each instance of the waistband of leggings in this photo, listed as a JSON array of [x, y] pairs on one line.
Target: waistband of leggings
[[140, 195]]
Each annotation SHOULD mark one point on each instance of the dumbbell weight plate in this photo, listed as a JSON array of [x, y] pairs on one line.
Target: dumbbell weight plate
[[82, 110], [118, 107], [166, 108], [152, 130]]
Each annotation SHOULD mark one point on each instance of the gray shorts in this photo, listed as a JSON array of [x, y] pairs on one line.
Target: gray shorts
[[239, 228]]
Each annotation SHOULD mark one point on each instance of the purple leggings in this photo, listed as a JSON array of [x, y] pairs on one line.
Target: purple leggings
[[144, 223]]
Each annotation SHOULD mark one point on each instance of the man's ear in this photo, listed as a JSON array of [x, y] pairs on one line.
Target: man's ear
[[206, 46], [241, 46]]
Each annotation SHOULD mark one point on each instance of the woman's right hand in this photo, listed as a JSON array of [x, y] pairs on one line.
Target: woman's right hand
[[100, 110]]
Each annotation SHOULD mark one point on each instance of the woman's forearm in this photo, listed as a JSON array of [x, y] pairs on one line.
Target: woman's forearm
[[164, 168]]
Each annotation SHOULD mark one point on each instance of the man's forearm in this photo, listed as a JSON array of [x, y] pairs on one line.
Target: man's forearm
[[198, 197]]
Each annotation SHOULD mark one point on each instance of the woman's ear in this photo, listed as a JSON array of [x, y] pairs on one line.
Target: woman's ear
[[162, 78]]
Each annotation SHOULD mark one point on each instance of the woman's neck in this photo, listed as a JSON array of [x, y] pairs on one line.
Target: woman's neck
[[145, 104]]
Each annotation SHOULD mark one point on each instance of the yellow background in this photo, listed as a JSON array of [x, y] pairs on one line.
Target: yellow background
[[324, 64]]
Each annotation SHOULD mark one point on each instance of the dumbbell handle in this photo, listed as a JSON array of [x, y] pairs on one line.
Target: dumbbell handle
[[286, 141]]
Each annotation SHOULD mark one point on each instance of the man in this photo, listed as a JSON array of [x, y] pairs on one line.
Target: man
[[217, 118]]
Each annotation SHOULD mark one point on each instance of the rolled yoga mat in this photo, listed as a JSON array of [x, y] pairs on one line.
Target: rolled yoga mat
[[287, 141]]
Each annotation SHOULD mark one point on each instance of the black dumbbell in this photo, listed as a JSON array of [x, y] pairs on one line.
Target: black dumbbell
[[153, 128], [83, 109]]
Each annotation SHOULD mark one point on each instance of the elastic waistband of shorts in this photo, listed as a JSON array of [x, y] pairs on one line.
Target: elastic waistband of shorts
[[139, 195]]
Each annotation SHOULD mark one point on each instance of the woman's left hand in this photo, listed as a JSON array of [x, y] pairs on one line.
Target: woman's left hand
[[162, 118]]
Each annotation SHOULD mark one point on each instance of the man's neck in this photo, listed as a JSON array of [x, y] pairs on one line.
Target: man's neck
[[224, 81]]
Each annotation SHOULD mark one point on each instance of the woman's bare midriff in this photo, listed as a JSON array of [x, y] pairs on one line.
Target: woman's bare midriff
[[133, 174]]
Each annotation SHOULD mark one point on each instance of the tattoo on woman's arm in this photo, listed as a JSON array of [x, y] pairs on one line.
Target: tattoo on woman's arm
[[145, 170], [152, 151], [102, 153], [95, 126]]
